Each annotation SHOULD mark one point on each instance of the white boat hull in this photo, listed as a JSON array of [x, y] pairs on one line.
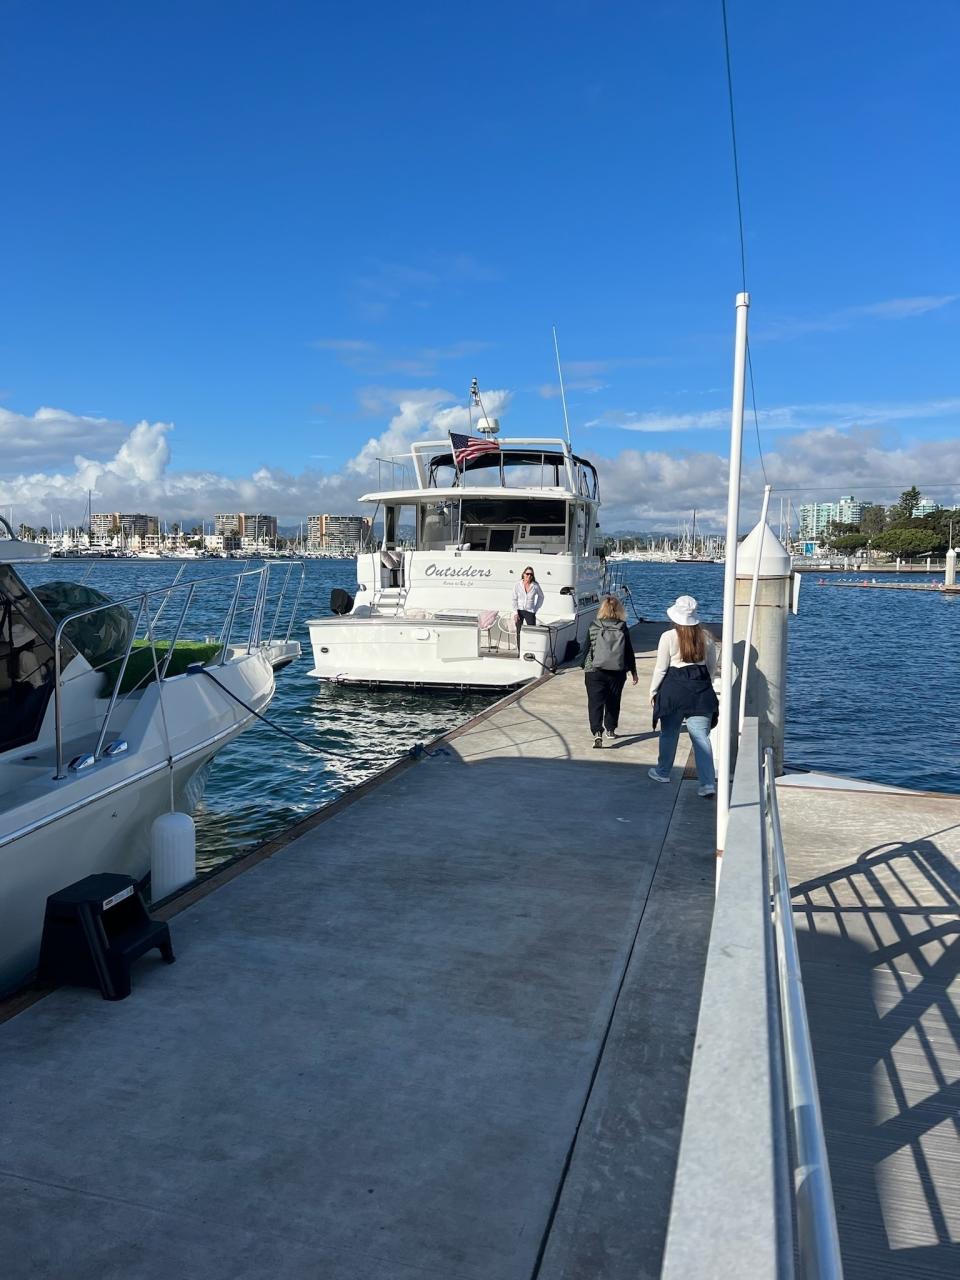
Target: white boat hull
[[100, 818], [441, 653]]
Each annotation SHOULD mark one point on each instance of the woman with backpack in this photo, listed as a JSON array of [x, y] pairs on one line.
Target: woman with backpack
[[608, 658], [682, 689]]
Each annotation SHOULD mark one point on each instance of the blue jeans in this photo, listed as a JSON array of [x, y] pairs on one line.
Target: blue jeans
[[699, 729]]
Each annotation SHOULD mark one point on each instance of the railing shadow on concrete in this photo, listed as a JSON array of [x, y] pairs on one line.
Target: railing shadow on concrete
[[886, 1021], [747, 1201]]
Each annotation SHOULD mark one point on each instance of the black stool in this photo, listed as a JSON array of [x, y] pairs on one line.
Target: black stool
[[93, 931]]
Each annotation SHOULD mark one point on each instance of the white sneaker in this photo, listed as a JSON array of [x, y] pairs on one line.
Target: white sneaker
[[706, 792], [652, 773]]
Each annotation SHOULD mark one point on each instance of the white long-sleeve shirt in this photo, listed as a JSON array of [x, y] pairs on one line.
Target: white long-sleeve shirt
[[668, 655], [528, 598]]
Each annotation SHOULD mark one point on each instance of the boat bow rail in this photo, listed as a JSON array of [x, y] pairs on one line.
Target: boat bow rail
[[258, 617], [752, 1195]]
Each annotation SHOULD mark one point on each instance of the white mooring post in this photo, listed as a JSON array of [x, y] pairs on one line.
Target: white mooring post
[[950, 569], [763, 606], [730, 569]]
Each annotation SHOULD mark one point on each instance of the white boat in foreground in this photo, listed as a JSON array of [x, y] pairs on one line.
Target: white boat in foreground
[[92, 744], [434, 602]]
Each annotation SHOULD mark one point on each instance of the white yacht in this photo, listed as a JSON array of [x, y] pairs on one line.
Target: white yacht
[[434, 602], [93, 746]]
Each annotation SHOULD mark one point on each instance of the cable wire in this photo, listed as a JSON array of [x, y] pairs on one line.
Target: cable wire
[[756, 420], [743, 252], [733, 138]]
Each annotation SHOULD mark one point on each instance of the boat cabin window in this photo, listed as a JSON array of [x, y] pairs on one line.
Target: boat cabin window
[[505, 524], [26, 662]]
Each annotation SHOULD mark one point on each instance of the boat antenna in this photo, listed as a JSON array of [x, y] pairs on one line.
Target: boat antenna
[[488, 426], [563, 394]]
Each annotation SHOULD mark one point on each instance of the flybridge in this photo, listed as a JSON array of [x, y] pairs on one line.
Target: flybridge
[[519, 463]]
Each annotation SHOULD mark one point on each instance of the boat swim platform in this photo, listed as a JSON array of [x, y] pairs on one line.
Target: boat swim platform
[[445, 1029]]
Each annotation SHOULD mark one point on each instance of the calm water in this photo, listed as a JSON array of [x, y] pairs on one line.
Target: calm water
[[865, 697]]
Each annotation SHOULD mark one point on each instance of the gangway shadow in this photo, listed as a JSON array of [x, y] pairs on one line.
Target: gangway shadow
[[878, 967]]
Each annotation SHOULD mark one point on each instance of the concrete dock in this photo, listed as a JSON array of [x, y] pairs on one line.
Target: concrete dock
[[445, 1031]]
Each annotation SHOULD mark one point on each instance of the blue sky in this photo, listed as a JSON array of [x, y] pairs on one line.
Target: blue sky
[[283, 238]]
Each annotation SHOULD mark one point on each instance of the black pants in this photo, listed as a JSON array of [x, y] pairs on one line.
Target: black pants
[[604, 690], [526, 616]]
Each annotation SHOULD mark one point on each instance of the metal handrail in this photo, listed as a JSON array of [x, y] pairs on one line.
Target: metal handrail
[[818, 1243], [753, 1156]]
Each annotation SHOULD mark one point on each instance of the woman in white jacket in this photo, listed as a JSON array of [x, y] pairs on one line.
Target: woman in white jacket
[[688, 659], [527, 599]]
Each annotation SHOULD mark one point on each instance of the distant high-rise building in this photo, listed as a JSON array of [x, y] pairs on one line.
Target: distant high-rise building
[[226, 524], [104, 525], [107, 525], [257, 527], [816, 517], [336, 533], [849, 510], [925, 507]]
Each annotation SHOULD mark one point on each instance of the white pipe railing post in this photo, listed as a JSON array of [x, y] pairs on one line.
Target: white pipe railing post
[[730, 570], [751, 610]]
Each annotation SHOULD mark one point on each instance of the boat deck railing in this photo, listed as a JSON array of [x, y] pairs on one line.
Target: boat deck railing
[[753, 1194], [260, 609]]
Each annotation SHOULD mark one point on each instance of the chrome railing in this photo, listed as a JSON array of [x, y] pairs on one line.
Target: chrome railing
[[253, 598], [817, 1242], [752, 1195]]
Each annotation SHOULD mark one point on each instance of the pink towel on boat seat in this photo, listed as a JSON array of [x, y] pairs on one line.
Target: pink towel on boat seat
[[486, 619]]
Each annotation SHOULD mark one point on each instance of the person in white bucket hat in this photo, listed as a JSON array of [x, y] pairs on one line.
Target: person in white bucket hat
[[682, 689]]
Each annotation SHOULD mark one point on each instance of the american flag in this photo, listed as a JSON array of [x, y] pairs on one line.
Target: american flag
[[466, 448]]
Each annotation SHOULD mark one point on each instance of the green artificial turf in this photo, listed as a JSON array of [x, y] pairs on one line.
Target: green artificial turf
[[140, 671]]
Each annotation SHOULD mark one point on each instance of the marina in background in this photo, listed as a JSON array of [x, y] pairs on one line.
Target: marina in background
[[830, 724]]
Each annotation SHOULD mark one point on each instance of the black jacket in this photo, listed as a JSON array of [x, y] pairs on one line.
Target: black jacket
[[688, 690]]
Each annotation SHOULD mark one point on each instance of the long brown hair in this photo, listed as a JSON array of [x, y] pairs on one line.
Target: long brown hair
[[692, 644]]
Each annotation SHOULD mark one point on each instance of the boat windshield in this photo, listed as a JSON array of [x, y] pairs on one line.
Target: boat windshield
[[514, 469], [26, 661], [495, 524]]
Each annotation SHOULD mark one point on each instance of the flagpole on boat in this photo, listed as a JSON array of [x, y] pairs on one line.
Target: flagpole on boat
[[730, 575]]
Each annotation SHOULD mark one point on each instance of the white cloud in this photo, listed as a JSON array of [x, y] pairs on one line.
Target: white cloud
[[903, 308], [138, 475], [551, 390], [51, 437], [347, 345], [789, 417], [640, 488], [845, 317], [421, 415], [415, 362], [653, 489]]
